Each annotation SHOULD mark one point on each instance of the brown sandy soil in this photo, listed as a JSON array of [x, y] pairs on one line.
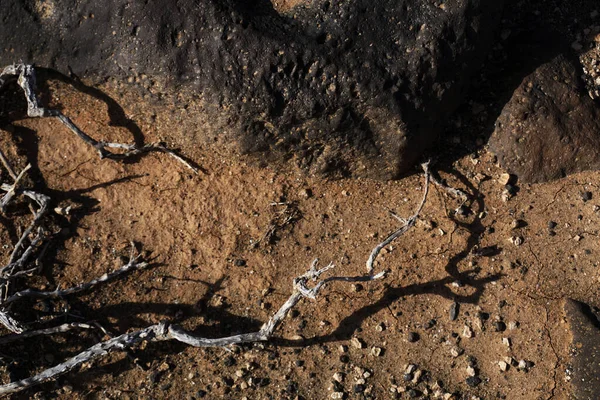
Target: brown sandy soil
[[199, 228]]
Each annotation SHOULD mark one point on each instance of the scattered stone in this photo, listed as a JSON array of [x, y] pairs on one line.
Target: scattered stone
[[512, 325], [410, 368], [522, 364], [357, 287], [359, 388], [417, 376], [240, 262], [586, 196], [337, 395], [552, 225], [380, 327], [471, 371], [454, 309], [413, 337], [516, 240], [456, 351], [467, 332], [506, 342], [413, 393], [343, 348], [473, 381], [430, 324], [517, 223], [506, 179], [499, 326], [357, 343], [503, 366], [338, 377], [376, 351], [306, 193]]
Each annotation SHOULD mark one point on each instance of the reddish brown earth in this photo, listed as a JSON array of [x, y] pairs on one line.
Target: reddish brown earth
[[196, 228]]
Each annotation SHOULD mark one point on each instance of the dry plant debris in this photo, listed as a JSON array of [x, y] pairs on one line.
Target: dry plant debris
[[32, 244]]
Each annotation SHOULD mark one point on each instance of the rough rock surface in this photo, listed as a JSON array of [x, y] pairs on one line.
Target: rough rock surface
[[585, 328], [357, 87], [550, 127]]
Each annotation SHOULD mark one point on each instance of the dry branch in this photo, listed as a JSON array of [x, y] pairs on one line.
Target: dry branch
[[27, 81], [307, 285], [164, 331], [406, 224], [44, 332]]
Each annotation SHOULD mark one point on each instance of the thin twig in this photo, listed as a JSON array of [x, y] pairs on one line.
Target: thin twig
[[163, 331], [407, 224], [44, 332], [27, 82], [7, 165], [131, 265], [10, 189]]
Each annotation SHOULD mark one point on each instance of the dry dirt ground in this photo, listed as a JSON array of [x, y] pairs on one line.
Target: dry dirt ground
[[226, 245]]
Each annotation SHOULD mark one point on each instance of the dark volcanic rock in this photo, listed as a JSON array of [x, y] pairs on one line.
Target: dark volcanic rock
[[358, 86], [585, 349], [550, 127]]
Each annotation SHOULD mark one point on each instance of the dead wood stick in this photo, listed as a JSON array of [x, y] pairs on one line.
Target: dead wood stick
[[27, 82], [7, 165], [407, 224], [164, 331], [44, 332], [131, 265]]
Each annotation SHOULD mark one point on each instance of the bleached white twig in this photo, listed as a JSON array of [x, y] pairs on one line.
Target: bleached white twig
[[10, 189], [131, 265], [407, 224], [27, 81], [7, 165], [164, 331], [44, 332]]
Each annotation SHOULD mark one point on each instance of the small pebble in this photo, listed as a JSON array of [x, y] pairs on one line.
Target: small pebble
[[517, 223], [586, 196], [471, 371], [512, 325], [359, 388], [503, 366], [240, 262], [552, 225], [454, 308], [456, 351], [500, 326], [356, 342], [505, 179], [413, 393], [467, 332], [516, 240], [338, 377], [506, 342], [337, 395], [473, 381], [413, 337], [376, 351]]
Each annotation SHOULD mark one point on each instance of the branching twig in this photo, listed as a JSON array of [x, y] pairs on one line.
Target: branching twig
[[131, 265], [163, 331], [27, 81], [407, 224], [44, 332]]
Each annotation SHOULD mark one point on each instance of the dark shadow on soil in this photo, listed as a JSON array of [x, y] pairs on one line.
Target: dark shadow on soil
[[532, 33]]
